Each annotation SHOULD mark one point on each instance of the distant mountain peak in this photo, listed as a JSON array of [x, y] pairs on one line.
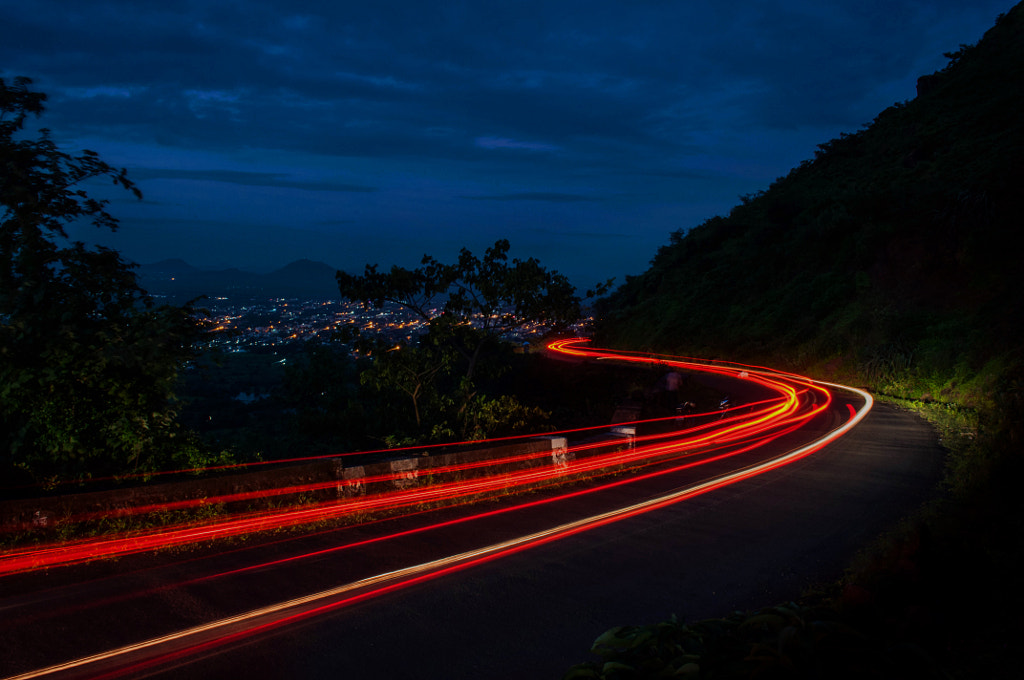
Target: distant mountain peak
[[307, 265], [170, 264]]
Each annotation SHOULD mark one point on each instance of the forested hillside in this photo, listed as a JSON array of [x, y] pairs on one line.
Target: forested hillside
[[892, 259], [892, 256]]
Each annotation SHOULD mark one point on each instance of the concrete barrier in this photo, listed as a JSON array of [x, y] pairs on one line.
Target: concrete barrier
[[329, 478]]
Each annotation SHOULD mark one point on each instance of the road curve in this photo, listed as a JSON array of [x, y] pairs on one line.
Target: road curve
[[534, 613]]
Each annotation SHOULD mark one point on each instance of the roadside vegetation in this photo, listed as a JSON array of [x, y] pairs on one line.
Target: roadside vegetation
[[890, 260], [88, 361], [98, 381], [928, 599]]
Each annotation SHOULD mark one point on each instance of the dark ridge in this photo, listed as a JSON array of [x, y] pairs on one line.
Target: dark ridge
[[900, 237]]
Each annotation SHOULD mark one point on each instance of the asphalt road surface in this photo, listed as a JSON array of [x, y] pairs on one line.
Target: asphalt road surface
[[531, 614], [534, 615]]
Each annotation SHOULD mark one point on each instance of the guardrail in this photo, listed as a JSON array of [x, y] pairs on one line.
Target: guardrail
[[321, 480]]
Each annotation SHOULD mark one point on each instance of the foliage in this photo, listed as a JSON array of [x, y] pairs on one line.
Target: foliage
[[893, 249], [88, 364], [503, 416], [233, 402], [490, 293], [411, 370], [467, 307], [890, 258], [785, 641]]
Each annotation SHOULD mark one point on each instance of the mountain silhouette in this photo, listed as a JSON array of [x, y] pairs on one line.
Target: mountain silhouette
[[896, 245]]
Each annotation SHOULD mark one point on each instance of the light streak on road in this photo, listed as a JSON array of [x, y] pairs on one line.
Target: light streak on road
[[768, 422], [711, 457], [588, 459]]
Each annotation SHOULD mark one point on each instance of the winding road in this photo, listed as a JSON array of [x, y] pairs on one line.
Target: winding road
[[692, 516]]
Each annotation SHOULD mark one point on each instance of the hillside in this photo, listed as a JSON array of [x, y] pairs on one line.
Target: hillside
[[888, 260], [892, 250]]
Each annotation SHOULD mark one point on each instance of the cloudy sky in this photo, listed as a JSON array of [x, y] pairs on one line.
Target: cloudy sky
[[350, 132]]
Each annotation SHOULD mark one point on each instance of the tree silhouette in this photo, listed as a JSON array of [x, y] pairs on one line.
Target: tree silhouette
[[88, 363], [468, 306]]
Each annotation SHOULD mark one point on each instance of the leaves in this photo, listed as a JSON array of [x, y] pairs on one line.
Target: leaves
[[912, 219], [89, 363], [468, 306], [496, 294]]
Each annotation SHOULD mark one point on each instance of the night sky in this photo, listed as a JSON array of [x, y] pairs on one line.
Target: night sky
[[349, 132]]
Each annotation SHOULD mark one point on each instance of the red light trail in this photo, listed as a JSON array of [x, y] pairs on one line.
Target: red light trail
[[755, 420], [739, 433]]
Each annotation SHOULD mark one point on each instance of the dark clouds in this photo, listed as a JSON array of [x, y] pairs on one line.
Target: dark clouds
[[380, 119], [255, 179], [535, 196]]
